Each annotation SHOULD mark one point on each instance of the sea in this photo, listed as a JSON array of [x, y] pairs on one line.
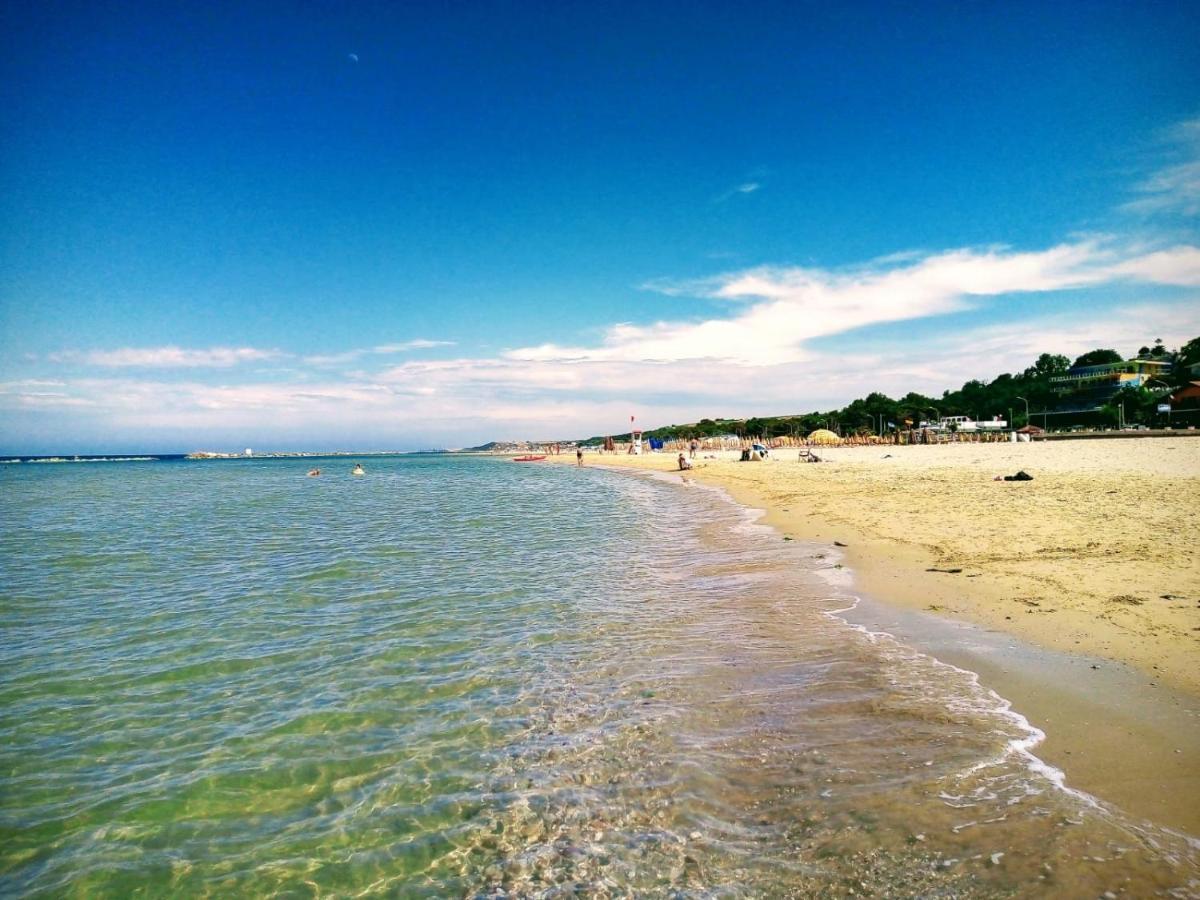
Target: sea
[[468, 677]]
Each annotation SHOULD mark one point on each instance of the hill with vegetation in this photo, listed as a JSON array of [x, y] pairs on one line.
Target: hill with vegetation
[[1004, 396]]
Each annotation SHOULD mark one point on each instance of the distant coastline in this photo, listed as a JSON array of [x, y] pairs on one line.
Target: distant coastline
[[91, 458], [196, 455], [302, 454]]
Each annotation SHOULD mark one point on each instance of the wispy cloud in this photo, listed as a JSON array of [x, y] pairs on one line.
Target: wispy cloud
[[746, 187], [166, 357], [1175, 265], [172, 357], [449, 401], [1175, 186], [758, 353], [404, 347], [348, 356], [786, 307], [764, 345], [32, 393]]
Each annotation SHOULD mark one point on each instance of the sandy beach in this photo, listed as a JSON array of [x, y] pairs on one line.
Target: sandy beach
[[1094, 560]]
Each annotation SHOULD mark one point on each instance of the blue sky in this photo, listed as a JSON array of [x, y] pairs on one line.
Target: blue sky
[[415, 225]]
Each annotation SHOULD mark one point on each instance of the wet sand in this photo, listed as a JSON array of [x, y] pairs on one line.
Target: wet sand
[[1084, 580]]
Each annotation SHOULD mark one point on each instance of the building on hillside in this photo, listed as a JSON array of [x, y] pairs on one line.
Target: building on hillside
[[1185, 404], [1082, 392], [1105, 380], [1190, 391], [1085, 389]]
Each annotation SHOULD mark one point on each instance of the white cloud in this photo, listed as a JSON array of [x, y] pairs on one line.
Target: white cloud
[[172, 357], [166, 357], [787, 307], [34, 393], [333, 359], [338, 359], [1177, 266], [418, 344], [1174, 187], [758, 359], [468, 400], [945, 360], [759, 356], [746, 187]]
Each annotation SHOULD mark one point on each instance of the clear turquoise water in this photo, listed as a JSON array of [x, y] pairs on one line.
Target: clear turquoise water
[[467, 677]]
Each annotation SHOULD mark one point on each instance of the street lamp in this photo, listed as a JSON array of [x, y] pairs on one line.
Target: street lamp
[[1026, 402]]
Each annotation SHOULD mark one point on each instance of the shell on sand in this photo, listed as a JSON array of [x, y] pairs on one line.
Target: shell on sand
[[823, 436]]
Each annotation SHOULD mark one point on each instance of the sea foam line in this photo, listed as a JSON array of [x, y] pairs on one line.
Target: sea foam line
[[839, 575]]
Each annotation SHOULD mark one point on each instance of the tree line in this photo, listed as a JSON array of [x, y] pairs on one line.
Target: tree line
[[1009, 395]]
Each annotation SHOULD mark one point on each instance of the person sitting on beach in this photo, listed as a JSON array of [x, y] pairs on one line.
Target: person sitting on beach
[[358, 470], [684, 463], [313, 473]]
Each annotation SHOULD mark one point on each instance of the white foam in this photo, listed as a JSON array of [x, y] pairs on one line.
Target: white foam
[[1020, 748], [975, 699]]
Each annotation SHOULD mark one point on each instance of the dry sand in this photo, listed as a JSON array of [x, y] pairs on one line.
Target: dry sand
[[1096, 556]]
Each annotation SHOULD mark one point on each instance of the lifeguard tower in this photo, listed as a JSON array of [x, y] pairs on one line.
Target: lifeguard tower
[[635, 438]]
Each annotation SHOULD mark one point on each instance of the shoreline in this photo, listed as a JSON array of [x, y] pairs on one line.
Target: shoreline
[[1118, 701]]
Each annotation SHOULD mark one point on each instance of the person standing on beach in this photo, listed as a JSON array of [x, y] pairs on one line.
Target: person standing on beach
[[692, 448], [579, 456]]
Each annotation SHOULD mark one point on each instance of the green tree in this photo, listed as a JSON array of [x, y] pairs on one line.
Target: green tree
[[1185, 357], [916, 407], [1003, 396], [1139, 404], [1097, 358], [1048, 364], [1189, 353]]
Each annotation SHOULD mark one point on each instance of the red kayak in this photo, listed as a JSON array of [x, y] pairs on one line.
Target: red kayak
[[528, 458]]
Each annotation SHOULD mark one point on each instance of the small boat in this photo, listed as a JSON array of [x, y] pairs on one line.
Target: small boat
[[528, 458]]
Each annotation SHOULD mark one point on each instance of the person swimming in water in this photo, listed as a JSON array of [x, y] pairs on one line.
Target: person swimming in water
[[313, 473], [358, 470]]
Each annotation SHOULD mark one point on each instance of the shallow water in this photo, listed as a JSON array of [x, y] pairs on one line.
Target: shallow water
[[463, 677]]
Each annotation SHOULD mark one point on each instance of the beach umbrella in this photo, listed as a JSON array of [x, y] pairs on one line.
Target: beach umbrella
[[824, 436]]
